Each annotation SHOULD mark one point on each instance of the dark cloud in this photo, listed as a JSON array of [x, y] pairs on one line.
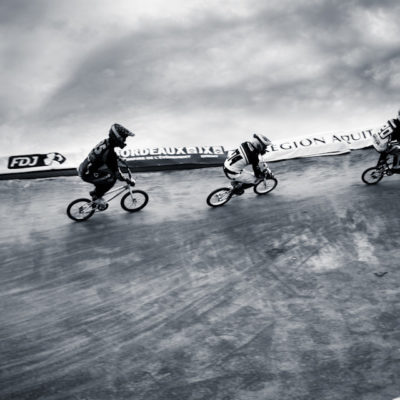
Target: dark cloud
[[306, 56], [137, 72], [24, 14]]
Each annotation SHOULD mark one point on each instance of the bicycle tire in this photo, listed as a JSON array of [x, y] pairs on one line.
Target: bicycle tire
[[82, 212], [133, 207], [265, 186], [369, 178], [225, 192]]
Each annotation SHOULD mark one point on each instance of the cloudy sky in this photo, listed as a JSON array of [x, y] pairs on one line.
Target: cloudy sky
[[193, 72]]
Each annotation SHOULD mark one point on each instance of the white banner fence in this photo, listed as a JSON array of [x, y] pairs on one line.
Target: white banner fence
[[283, 149]]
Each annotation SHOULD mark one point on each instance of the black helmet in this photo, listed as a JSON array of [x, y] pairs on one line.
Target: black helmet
[[118, 135]]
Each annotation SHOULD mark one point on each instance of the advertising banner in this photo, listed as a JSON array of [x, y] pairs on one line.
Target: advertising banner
[[40, 164], [318, 145], [145, 159], [160, 158]]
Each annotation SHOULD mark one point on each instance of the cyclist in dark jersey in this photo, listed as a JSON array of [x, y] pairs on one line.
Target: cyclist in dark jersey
[[238, 163], [100, 167]]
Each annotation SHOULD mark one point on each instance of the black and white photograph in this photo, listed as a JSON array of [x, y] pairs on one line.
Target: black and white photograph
[[199, 200]]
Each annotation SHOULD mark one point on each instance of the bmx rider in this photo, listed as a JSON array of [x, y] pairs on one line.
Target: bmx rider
[[387, 141], [243, 166], [100, 167]]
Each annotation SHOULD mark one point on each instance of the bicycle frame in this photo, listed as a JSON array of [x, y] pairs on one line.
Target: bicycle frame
[[132, 199], [387, 160], [384, 167], [245, 186], [116, 191], [249, 185], [385, 164], [221, 196]]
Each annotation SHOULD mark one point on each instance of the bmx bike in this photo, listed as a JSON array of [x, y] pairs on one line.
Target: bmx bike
[[132, 200], [371, 176], [221, 196]]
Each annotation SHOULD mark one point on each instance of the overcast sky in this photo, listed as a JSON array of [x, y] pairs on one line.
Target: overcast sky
[[191, 72]]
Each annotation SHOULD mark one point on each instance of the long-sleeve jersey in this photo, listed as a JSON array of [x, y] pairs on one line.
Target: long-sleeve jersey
[[102, 156], [243, 156], [387, 133]]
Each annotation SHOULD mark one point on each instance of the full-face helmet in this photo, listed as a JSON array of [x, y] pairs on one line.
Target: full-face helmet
[[261, 142], [118, 135]]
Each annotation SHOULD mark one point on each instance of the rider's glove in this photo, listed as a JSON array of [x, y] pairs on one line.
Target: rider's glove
[[127, 180], [120, 177]]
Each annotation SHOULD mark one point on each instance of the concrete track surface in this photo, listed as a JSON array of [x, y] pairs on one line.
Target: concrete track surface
[[275, 297]]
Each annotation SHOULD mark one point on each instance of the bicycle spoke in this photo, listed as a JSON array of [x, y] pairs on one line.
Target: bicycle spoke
[[265, 186], [80, 210], [219, 197], [134, 201], [372, 176]]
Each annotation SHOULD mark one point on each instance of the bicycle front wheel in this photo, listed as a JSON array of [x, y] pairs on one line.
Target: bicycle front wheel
[[219, 197], [265, 186], [80, 210], [372, 176], [134, 201]]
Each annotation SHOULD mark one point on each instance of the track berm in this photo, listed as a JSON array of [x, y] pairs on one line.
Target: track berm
[[292, 295]]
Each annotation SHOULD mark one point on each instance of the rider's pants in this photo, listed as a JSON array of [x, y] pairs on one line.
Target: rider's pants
[[395, 152], [103, 181]]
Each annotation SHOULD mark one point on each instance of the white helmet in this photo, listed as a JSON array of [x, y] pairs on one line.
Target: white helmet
[[261, 142]]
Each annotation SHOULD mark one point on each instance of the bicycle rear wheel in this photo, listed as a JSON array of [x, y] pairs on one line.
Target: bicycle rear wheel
[[265, 186], [372, 176], [219, 197], [134, 201], [80, 210]]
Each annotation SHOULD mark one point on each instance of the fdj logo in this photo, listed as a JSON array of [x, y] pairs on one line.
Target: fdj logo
[[35, 160]]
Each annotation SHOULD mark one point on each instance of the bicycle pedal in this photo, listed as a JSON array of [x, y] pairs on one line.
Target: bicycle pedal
[[99, 207]]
